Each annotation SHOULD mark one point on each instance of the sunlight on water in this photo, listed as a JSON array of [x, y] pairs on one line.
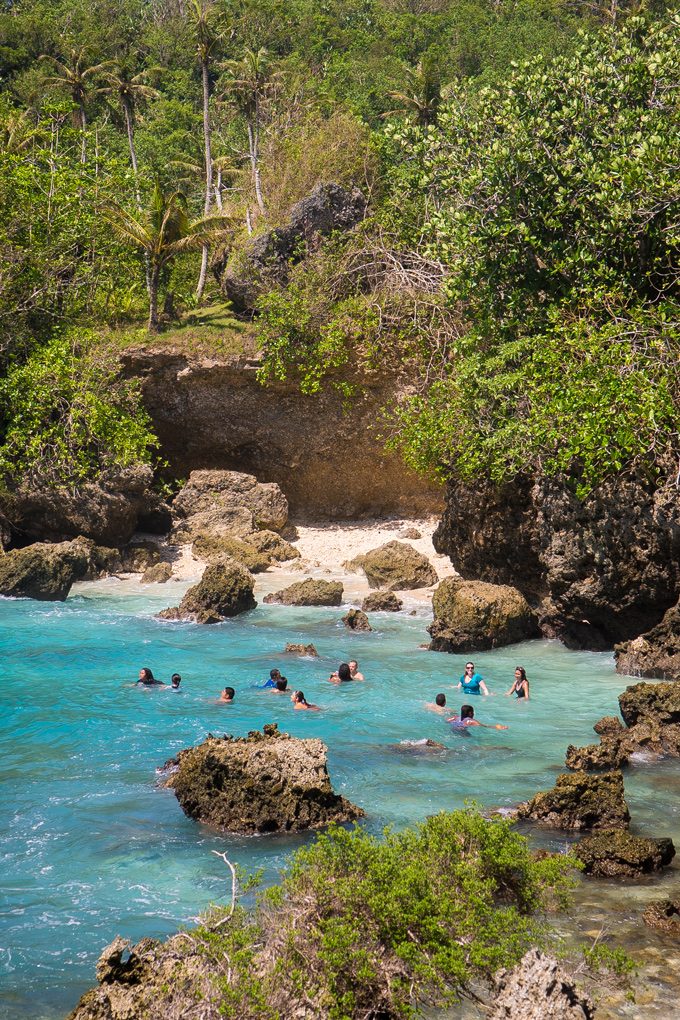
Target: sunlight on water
[[92, 848]]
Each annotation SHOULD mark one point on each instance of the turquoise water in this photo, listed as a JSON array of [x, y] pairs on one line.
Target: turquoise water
[[92, 847]]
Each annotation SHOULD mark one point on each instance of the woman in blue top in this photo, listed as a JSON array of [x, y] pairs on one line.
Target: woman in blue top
[[471, 682]]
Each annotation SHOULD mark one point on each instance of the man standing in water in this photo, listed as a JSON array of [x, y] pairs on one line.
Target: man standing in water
[[354, 670]]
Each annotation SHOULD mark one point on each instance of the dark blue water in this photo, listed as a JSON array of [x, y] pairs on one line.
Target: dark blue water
[[92, 848]]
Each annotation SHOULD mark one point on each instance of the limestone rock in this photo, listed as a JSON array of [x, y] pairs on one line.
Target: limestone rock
[[538, 989], [609, 726], [411, 533], [396, 566], [617, 854], [100, 560], [267, 782], [227, 503], [139, 556], [274, 546], [356, 619], [42, 571], [473, 616], [158, 574], [660, 702], [382, 602], [664, 915], [654, 654], [603, 757], [225, 590], [215, 548], [310, 592], [309, 651], [580, 800]]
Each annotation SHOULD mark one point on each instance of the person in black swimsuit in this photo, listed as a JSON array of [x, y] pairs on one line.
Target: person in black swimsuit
[[520, 685]]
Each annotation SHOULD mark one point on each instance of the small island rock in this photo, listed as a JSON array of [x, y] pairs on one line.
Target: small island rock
[[356, 619], [382, 602], [580, 800], [473, 616], [225, 590], [603, 757], [655, 654], [298, 649], [264, 783], [617, 854], [310, 592], [396, 566]]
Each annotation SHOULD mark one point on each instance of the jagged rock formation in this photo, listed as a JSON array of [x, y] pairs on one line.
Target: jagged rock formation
[[654, 654], [605, 569], [396, 566], [267, 258], [580, 800], [310, 592], [616, 854], [664, 915], [539, 989], [309, 651], [596, 757], [227, 504], [267, 782], [382, 602], [473, 616], [225, 590], [256, 552], [356, 619], [43, 571], [157, 574]]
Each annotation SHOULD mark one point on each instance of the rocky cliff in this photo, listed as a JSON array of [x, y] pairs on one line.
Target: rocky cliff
[[211, 412]]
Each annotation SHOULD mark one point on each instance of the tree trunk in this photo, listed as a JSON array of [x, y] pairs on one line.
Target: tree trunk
[[83, 126], [208, 173], [153, 299], [254, 163], [127, 109]]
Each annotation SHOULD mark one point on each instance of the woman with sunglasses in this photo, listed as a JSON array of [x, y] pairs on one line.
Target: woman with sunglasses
[[471, 682]]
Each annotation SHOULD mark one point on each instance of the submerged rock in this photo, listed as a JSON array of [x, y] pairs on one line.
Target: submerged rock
[[267, 782], [654, 654], [580, 800], [473, 616], [664, 915], [225, 590], [310, 592], [307, 650], [539, 989], [617, 854], [42, 571], [396, 566], [227, 503], [356, 619], [382, 602]]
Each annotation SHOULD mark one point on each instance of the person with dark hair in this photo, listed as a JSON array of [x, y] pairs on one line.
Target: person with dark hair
[[175, 681], [343, 674], [354, 670], [281, 686], [467, 718], [147, 679], [300, 702], [471, 682], [520, 685], [439, 704], [274, 677], [227, 695]]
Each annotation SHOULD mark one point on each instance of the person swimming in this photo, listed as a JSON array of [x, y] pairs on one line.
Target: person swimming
[[147, 679], [343, 674], [227, 696], [471, 682], [520, 685], [274, 677], [354, 670], [467, 719], [300, 702], [439, 704], [175, 681]]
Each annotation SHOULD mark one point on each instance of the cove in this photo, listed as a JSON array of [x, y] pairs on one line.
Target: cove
[[92, 848]]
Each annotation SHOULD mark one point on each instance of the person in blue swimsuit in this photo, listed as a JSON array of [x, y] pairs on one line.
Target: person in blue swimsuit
[[471, 682]]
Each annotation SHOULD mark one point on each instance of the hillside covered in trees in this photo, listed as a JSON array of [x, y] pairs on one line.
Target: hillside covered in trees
[[518, 260]]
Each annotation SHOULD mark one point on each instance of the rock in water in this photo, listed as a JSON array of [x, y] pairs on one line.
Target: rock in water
[[227, 503], [396, 566], [664, 915], [644, 702], [266, 782], [538, 989], [356, 619], [298, 649], [225, 590], [382, 602], [215, 548], [616, 854], [157, 574], [310, 592], [473, 616], [654, 654], [596, 757], [42, 571], [580, 800]]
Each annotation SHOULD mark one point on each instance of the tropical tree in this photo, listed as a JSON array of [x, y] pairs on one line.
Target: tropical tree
[[75, 76], [19, 131], [162, 233], [421, 96], [130, 90], [248, 81]]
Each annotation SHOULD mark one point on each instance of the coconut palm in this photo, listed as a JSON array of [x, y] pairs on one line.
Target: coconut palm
[[18, 131], [130, 90], [76, 76], [162, 232], [421, 96], [247, 83]]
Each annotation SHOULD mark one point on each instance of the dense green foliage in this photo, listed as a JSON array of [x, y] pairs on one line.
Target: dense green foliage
[[361, 926]]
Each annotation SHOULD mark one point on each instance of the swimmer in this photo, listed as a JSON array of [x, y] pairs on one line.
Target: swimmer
[[471, 682], [354, 670], [274, 676], [227, 696], [439, 704], [300, 702], [343, 674], [520, 685], [467, 718], [147, 679], [175, 681], [280, 687]]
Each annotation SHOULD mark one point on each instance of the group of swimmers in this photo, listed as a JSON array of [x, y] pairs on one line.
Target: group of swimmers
[[473, 683]]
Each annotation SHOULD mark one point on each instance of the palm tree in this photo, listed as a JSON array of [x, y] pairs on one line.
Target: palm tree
[[75, 76], [422, 94], [130, 90], [19, 131], [247, 83], [161, 233]]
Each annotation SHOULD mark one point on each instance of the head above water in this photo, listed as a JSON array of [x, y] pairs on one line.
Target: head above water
[[175, 679], [281, 684], [344, 672], [469, 667], [467, 712], [146, 676], [228, 693], [274, 674], [520, 673], [440, 700], [298, 698], [353, 665]]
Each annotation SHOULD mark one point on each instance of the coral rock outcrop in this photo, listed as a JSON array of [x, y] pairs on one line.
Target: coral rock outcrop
[[580, 800], [42, 571], [539, 989], [227, 504], [356, 619], [382, 602], [225, 590], [474, 616], [655, 654], [617, 854], [310, 592], [396, 566]]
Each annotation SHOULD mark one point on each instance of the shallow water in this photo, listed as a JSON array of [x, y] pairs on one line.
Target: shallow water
[[93, 848]]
